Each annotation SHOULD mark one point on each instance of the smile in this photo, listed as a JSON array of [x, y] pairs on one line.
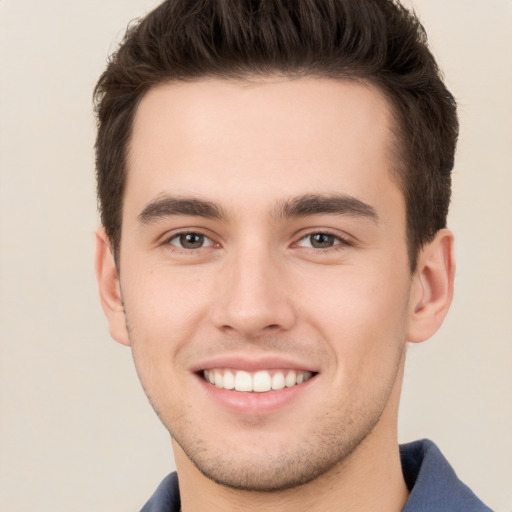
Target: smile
[[260, 381]]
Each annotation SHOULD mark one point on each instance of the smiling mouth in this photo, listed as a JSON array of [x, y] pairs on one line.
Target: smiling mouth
[[259, 382]]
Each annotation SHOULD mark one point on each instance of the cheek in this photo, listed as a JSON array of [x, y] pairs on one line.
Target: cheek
[[362, 315], [162, 310], [160, 319], [162, 295]]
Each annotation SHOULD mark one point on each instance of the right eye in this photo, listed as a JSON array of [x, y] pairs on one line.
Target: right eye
[[190, 240]]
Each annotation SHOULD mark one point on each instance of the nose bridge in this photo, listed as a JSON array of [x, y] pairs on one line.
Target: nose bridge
[[252, 294]]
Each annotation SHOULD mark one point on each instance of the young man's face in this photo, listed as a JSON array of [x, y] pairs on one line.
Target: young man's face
[[263, 242]]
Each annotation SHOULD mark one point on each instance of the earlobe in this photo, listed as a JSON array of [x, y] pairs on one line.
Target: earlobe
[[432, 287], [109, 288]]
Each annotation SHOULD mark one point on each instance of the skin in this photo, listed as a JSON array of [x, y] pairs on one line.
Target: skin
[[241, 154]]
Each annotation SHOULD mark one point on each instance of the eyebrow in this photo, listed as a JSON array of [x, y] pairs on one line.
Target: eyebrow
[[318, 204], [301, 206], [169, 206]]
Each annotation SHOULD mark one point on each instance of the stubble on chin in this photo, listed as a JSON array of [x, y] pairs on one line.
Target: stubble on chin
[[264, 468]]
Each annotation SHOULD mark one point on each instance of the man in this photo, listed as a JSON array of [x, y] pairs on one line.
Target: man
[[274, 180]]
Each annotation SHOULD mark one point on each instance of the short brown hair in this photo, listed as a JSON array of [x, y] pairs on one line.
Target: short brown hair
[[374, 41]]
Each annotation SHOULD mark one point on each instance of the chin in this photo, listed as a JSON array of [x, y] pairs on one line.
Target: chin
[[270, 467]]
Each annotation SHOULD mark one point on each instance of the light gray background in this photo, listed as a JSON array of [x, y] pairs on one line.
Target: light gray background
[[76, 433]]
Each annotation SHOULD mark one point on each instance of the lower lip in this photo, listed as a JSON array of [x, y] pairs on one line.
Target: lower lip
[[254, 403]]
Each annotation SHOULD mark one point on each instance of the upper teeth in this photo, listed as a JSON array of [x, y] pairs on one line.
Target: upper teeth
[[259, 381]]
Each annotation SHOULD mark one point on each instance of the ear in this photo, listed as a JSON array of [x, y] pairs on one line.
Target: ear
[[110, 289], [432, 287]]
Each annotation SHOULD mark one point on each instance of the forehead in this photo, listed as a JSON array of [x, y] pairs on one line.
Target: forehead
[[256, 141]]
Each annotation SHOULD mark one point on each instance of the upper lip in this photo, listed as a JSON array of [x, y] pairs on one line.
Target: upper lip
[[254, 363]]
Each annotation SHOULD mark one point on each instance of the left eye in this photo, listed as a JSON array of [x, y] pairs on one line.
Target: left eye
[[319, 241], [190, 241]]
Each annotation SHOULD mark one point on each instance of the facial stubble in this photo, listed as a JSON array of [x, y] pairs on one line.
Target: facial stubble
[[325, 447]]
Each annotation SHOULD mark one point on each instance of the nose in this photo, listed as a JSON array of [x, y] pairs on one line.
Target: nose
[[253, 298]]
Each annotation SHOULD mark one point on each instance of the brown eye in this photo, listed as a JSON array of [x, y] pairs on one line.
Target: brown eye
[[190, 241], [322, 240]]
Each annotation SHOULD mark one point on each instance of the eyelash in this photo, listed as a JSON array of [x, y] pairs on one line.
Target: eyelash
[[178, 236], [340, 242]]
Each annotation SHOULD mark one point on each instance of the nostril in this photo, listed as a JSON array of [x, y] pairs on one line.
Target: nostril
[[227, 328]]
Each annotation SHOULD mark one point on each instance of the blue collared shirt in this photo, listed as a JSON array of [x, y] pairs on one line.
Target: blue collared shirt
[[433, 485]]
